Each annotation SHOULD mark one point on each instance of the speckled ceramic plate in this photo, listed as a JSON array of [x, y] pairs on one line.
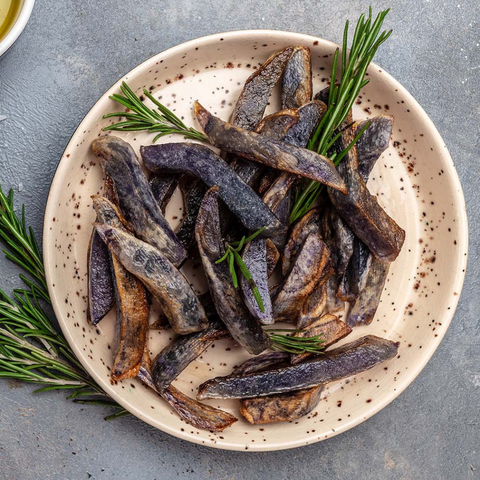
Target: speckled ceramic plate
[[415, 181]]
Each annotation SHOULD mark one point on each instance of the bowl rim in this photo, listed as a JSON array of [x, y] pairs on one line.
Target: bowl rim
[[18, 27], [457, 282]]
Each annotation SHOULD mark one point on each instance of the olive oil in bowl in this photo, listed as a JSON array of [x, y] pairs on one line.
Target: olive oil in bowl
[[9, 10]]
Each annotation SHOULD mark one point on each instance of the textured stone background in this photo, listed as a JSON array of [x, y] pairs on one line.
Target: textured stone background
[[69, 54]]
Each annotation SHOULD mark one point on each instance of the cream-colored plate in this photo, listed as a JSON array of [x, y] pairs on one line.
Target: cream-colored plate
[[415, 181]]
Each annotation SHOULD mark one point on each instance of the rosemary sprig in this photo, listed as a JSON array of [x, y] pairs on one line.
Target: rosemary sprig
[[285, 343], [233, 258], [296, 345], [31, 349], [353, 67], [307, 197], [139, 117], [22, 247]]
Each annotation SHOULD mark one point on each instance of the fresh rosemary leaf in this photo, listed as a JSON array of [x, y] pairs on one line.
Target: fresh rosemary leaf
[[240, 244], [162, 121], [221, 259], [231, 266], [250, 238]]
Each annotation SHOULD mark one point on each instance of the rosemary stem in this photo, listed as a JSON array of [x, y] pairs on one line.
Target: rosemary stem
[[367, 39]]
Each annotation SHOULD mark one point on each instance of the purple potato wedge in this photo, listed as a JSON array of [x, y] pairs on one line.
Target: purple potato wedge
[[193, 190], [339, 238], [353, 280], [101, 295], [131, 324], [163, 187], [309, 116], [203, 417], [250, 172], [205, 299], [253, 100], [309, 223], [275, 195], [199, 415], [131, 304], [272, 153], [362, 284], [361, 211], [315, 222], [365, 277], [251, 105], [283, 407], [182, 351], [135, 198], [342, 362], [311, 268], [364, 306], [261, 362], [297, 134], [275, 126], [204, 163], [278, 198], [171, 289], [255, 258], [297, 79], [373, 142], [275, 408], [244, 328], [273, 256], [283, 212], [313, 307], [330, 327], [334, 304]]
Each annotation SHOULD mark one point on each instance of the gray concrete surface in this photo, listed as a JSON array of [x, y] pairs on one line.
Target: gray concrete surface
[[69, 54]]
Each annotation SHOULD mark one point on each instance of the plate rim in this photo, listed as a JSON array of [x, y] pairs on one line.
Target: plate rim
[[457, 283]]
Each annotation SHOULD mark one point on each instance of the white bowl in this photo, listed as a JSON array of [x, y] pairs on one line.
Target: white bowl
[[415, 180], [18, 26]]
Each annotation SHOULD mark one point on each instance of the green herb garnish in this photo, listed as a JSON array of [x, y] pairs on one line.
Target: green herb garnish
[[296, 345], [233, 258], [139, 117], [22, 245], [285, 343], [366, 41], [31, 349]]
